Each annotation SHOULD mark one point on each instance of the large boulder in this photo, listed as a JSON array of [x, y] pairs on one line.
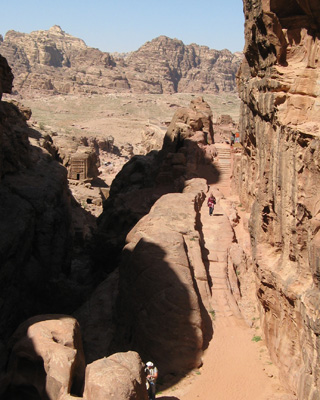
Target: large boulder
[[46, 358], [120, 376]]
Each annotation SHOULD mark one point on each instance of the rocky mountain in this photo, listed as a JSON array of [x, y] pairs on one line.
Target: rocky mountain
[[277, 176], [55, 62]]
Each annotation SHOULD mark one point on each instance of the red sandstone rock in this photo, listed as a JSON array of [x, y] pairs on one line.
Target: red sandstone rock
[[54, 61], [163, 284], [47, 356], [278, 179], [120, 376]]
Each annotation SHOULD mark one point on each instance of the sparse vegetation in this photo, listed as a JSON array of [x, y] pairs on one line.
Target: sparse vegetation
[[256, 338], [213, 314]]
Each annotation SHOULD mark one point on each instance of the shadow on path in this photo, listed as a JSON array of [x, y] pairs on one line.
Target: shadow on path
[[168, 398]]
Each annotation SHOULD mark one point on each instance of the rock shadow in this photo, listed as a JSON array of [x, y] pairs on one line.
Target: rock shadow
[[98, 182], [25, 376], [168, 398], [159, 312]]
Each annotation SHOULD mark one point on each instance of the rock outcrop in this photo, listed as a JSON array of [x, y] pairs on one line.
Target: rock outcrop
[[278, 179], [187, 153], [47, 362], [120, 376], [163, 284], [55, 62], [162, 194], [37, 227], [46, 359]]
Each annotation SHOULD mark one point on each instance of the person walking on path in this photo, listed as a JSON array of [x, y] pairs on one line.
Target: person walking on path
[[211, 202], [151, 372]]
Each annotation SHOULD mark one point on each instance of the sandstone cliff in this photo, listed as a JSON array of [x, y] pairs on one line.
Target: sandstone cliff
[[278, 178], [55, 62], [37, 229]]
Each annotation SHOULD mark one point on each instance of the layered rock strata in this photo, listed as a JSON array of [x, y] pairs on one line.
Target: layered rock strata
[[277, 177], [55, 62]]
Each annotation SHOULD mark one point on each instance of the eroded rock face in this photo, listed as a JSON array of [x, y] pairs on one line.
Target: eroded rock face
[[187, 153], [120, 376], [6, 77], [163, 285], [36, 223], [278, 179], [55, 62], [46, 357], [144, 182]]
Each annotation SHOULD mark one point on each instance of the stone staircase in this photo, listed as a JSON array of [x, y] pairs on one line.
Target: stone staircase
[[223, 162]]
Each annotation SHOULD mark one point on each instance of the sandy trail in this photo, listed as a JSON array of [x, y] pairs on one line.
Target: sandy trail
[[234, 366]]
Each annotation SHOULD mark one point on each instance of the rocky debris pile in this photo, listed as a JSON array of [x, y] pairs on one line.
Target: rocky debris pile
[[55, 62], [277, 176]]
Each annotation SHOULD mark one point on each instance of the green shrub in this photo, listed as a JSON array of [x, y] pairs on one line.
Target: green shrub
[[256, 338]]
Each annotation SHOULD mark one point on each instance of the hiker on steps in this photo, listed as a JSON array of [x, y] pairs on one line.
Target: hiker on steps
[[211, 202]]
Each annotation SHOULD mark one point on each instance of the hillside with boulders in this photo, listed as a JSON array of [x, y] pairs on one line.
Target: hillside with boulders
[[56, 62]]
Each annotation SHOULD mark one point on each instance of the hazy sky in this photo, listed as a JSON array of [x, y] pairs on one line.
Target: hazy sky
[[125, 25]]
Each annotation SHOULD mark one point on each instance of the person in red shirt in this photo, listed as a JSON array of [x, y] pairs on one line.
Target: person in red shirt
[[211, 202]]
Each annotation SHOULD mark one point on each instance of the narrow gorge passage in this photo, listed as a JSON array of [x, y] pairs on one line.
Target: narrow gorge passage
[[234, 366]]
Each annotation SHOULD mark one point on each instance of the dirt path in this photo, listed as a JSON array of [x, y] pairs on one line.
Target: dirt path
[[234, 366]]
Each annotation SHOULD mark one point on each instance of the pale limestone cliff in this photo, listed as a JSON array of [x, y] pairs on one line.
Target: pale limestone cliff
[[278, 177]]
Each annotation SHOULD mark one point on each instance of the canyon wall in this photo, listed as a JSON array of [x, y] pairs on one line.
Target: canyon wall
[[277, 176], [37, 235]]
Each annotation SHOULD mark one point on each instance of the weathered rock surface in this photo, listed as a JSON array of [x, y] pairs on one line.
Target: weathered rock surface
[[143, 183], [163, 284], [120, 376], [36, 223], [46, 358], [187, 153], [55, 62], [278, 179], [6, 77]]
